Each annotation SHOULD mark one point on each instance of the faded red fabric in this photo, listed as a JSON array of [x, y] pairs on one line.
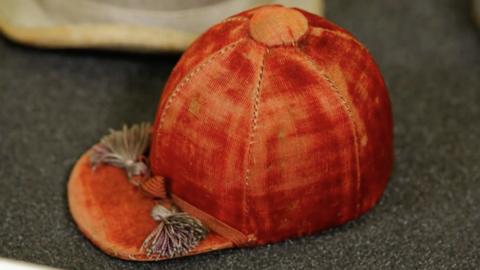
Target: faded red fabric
[[275, 141], [115, 215]]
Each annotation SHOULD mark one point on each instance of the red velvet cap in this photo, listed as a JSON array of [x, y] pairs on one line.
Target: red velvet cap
[[274, 124]]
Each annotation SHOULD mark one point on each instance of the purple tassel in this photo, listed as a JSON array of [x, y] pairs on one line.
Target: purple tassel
[[124, 149], [176, 234]]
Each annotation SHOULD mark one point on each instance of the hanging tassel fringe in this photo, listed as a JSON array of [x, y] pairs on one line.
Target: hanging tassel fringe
[[124, 149], [176, 234]]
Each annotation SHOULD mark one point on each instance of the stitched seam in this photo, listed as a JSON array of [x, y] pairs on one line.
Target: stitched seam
[[185, 80], [251, 142], [347, 107], [190, 75]]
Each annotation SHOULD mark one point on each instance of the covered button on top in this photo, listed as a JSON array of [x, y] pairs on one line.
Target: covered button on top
[[276, 25]]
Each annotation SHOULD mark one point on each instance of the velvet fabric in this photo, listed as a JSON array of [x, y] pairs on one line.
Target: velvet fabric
[[274, 124], [275, 140], [115, 215]]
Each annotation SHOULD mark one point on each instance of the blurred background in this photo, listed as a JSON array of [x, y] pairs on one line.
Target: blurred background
[[69, 70], [133, 25]]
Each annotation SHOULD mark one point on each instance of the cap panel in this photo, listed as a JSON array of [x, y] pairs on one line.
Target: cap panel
[[213, 40], [352, 69], [304, 154], [318, 21], [201, 142]]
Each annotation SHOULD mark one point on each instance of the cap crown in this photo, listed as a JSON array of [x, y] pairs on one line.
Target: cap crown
[[276, 122]]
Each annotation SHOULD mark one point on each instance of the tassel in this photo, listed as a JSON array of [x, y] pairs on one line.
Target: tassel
[[176, 234], [124, 149]]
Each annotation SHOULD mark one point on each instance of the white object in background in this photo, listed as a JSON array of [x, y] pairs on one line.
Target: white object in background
[[163, 25], [7, 264]]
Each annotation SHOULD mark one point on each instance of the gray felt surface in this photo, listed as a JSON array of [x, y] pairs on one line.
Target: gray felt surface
[[56, 104]]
